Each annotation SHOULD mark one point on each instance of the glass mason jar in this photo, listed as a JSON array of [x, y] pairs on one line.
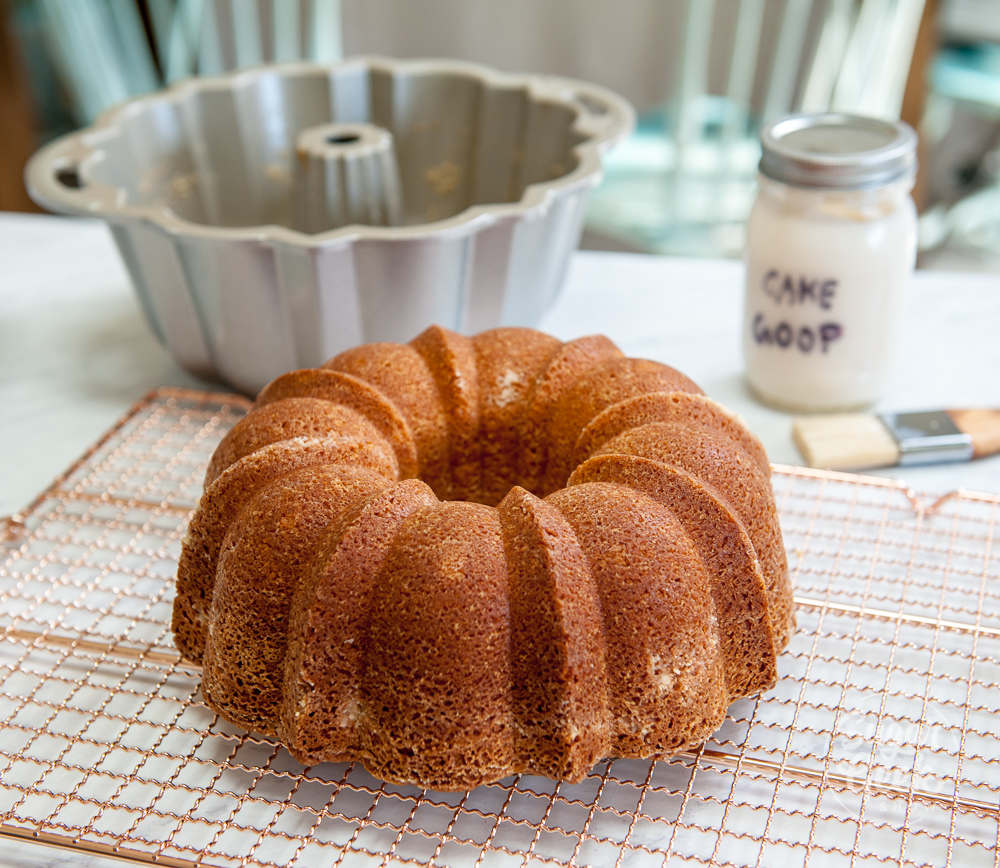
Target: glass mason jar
[[831, 243]]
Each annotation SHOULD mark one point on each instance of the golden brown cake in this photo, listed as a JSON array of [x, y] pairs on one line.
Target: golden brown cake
[[460, 558]]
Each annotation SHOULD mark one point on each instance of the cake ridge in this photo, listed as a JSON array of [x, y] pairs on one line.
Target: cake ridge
[[401, 375], [294, 417], [317, 721], [606, 382], [218, 509], [505, 379], [340, 387], [559, 679], [572, 359], [749, 493], [260, 565], [451, 359], [664, 407], [677, 651], [424, 683], [664, 482]]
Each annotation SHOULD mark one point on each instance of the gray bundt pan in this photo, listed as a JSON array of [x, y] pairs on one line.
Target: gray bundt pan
[[273, 217]]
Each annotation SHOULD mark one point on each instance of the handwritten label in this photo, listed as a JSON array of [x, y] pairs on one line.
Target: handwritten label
[[792, 289], [804, 338], [797, 291]]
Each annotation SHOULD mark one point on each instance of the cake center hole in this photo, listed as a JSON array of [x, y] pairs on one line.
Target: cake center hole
[[343, 139]]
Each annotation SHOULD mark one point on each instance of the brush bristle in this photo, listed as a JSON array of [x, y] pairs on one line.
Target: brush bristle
[[845, 441]]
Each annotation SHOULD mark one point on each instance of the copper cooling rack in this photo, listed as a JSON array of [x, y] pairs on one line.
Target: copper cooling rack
[[879, 745]]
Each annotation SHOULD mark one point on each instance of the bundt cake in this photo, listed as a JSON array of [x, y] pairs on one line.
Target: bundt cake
[[460, 558]]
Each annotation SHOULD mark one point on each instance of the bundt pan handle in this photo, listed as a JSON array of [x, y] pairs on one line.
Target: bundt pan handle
[[464, 212], [58, 177], [603, 114]]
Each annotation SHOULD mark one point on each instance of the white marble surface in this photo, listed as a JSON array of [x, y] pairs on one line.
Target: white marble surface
[[25, 854], [75, 354]]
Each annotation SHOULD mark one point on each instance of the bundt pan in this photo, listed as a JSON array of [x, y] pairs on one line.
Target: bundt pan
[[276, 216]]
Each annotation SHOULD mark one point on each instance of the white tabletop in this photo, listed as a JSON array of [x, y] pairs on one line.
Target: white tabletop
[[75, 352]]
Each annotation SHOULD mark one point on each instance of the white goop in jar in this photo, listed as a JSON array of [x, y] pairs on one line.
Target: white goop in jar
[[831, 243]]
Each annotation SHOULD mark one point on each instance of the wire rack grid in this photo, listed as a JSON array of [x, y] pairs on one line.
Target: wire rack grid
[[879, 745]]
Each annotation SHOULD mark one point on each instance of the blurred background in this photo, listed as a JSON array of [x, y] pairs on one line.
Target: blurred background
[[703, 75]]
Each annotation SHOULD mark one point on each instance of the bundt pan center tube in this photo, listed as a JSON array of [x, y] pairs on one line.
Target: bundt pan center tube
[[275, 216], [459, 558]]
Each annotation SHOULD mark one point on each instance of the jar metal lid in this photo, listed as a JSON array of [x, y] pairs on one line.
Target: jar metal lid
[[837, 151]]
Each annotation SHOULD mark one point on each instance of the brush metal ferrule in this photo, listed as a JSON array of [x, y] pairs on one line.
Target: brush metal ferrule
[[928, 437]]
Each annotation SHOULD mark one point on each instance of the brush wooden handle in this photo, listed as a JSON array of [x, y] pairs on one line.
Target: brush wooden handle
[[983, 426]]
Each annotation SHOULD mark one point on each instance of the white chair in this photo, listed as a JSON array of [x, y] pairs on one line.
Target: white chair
[[684, 183]]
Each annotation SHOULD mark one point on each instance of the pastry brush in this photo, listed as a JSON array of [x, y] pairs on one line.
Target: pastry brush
[[858, 441]]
